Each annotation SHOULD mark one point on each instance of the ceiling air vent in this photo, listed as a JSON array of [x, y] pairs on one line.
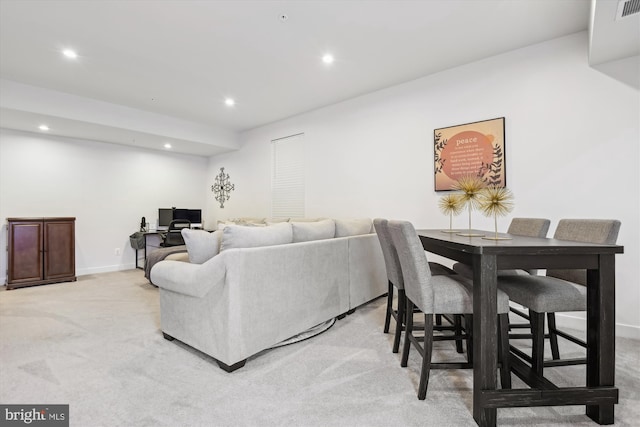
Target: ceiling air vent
[[627, 8]]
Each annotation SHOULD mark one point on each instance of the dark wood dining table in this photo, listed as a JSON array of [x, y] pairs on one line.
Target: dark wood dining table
[[486, 257]]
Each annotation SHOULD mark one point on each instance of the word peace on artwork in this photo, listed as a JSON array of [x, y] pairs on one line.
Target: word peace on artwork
[[472, 149]]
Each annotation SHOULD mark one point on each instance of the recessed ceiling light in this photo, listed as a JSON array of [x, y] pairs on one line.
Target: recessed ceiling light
[[69, 53], [167, 146], [43, 128], [328, 59], [230, 102]]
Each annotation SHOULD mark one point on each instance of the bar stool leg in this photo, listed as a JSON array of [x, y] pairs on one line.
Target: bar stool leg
[[468, 326], [387, 317], [426, 356], [458, 331], [553, 337], [439, 319], [401, 319], [408, 331]]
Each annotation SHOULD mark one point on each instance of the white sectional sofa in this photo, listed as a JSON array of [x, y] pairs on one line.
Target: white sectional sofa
[[266, 284]]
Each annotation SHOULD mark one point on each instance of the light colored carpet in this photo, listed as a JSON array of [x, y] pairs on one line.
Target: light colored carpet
[[96, 345], [309, 333]]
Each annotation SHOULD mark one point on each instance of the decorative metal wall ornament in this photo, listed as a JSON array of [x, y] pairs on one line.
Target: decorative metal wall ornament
[[222, 187]]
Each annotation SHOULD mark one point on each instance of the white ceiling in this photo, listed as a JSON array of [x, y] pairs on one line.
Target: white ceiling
[[156, 61]]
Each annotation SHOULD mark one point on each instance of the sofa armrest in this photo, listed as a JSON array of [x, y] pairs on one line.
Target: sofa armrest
[[367, 273], [195, 280]]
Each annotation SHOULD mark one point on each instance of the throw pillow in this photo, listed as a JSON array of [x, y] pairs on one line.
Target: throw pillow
[[237, 236], [201, 245], [352, 227], [307, 231]]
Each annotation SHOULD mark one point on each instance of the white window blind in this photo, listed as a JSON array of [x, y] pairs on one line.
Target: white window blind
[[287, 177]]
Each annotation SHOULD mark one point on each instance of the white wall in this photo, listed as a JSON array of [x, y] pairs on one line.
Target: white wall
[[107, 187], [572, 136]]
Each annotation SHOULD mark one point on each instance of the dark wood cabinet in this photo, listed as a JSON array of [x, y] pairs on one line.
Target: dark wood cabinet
[[40, 251]]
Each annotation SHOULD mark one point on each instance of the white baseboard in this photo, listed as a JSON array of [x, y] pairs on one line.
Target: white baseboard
[[578, 322], [105, 269], [97, 270], [628, 331]]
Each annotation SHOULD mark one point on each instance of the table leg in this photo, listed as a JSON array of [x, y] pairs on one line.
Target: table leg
[[601, 334], [484, 335]]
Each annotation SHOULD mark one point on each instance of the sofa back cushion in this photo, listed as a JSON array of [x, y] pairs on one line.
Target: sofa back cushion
[[271, 221], [247, 220], [302, 219], [352, 227], [237, 236], [201, 245], [307, 231]]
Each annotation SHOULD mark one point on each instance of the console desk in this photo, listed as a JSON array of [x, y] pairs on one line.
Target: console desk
[[152, 240]]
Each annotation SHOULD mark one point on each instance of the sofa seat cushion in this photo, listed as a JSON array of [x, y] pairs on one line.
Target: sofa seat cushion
[[353, 227], [201, 245], [237, 236], [308, 231]]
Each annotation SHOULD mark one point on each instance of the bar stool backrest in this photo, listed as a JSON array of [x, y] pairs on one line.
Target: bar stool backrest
[[603, 231], [531, 227], [391, 261], [414, 264]]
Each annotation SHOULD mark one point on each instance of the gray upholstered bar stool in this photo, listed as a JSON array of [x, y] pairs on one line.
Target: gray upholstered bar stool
[[394, 276], [558, 291], [438, 294]]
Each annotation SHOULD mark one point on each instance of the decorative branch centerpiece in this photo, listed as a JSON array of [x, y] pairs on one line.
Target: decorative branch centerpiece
[[470, 187], [496, 201], [451, 205]]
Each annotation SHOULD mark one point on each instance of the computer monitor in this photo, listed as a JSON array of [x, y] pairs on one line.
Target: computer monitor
[[165, 216], [195, 216], [181, 214]]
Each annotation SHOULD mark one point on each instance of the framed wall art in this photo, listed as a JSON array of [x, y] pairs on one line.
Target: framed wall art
[[471, 149]]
